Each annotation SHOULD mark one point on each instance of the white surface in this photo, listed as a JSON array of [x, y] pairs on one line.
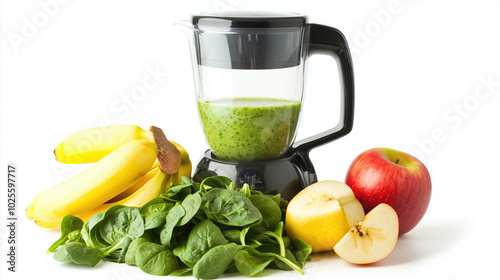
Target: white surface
[[420, 68]]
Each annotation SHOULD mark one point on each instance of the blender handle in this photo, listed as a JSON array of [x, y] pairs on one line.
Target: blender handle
[[327, 40]]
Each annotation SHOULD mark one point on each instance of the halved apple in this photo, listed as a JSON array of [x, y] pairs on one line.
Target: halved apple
[[322, 214], [372, 239]]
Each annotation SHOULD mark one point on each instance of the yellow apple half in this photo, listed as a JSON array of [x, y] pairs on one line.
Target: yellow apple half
[[372, 239], [322, 213]]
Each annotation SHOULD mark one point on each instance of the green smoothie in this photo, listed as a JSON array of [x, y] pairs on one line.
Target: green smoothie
[[249, 129]]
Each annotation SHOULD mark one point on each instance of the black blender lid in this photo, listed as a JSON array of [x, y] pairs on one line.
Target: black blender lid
[[249, 19]]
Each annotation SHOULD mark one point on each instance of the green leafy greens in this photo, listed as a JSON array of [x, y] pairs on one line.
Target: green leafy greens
[[201, 229]]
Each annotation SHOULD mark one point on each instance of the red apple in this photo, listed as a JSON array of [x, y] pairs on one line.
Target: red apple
[[383, 175]]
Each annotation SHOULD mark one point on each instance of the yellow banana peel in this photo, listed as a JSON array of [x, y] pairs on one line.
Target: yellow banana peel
[[91, 145], [96, 185], [153, 188], [128, 171]]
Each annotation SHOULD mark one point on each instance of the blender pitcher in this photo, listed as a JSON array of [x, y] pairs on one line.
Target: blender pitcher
[[249, 71]]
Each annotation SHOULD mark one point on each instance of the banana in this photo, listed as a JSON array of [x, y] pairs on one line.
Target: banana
[[137, 185], [91, 145], [151, 189], [99, 183], [49, 224], [131, 175], [185, 165]]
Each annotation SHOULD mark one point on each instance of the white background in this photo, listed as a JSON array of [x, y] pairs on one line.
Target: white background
[[427, 79]]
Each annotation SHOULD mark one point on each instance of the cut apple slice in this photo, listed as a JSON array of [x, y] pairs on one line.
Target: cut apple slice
[[322, 213], [372, 239]]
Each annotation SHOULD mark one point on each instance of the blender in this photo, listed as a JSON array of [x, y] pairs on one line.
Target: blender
[[249, 73]]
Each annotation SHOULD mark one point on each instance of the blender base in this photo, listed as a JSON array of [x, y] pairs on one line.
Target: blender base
[[287, 175]]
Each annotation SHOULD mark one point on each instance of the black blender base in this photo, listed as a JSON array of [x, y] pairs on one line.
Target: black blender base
[[286, 175]]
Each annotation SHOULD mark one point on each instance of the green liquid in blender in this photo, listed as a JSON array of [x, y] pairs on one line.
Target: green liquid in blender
[[249, 129]]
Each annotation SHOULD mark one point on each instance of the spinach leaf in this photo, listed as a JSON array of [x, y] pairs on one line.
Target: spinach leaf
[[84, 232], [78, 253], [116, 230], [180, 192], [144, 209], [287, 262], [193, 228], [191, 205], [154, 212], [148, 236], [232, 235], [95, 219], [217, 182], [270, 210], [261, 239], [287, 241], [280, 263], [185, 271], [204, 236], [278, 235], [250, 262], [301, 250], [258, 232], [243, 234], [155, 259], [122, 223], [277, 198], [71, 227], [94, 225], [124, 245], [132, 249], [229, 207], [172, 220], [215, 262], [245, 190], [116, 252]]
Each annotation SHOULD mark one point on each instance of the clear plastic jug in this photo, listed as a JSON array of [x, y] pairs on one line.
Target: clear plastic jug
[[249, 73]]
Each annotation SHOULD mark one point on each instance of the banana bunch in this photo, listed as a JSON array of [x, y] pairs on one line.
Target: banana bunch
[[131, 167]]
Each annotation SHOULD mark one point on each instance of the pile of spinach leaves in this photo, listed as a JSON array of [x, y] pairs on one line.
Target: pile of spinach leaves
[[201, 229]]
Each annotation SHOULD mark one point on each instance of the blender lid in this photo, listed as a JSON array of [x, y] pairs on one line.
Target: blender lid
[[248, 19], [248, 40]]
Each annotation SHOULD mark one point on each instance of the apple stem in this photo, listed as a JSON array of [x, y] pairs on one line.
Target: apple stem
[[397, 161]]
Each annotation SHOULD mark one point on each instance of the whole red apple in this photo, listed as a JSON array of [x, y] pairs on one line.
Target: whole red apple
[[383, 175]]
